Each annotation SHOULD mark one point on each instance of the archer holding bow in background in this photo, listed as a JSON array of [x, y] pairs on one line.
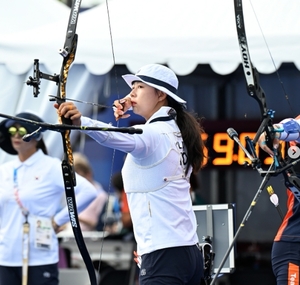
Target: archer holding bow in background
[[286, 245], [156, 174]]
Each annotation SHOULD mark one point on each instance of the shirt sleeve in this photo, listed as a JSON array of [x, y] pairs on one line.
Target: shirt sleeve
[[85, 193], [139, 145], [93, 210], [289, 133], [121, 141]]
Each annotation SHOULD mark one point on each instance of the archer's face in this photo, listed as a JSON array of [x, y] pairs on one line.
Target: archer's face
[[145, 100], [18, 144]]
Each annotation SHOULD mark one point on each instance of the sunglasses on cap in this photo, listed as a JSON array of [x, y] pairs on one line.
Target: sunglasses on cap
[[21, 131]]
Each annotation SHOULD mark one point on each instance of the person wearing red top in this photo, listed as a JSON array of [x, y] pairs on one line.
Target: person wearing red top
[[117, 182]]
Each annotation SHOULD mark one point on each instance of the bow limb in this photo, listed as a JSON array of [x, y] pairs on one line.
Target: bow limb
[[68, 53], [252, 77], [251, 74]]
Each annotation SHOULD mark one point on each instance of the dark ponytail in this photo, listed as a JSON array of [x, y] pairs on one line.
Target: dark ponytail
[[191, 130]]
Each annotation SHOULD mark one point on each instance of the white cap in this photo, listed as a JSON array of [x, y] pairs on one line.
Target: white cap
[[159, 77]]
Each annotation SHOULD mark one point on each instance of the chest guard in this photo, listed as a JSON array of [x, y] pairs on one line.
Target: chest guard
[[165, 164]]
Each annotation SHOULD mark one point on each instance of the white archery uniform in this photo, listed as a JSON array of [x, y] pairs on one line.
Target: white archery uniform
[[155, 182], [40, 188]]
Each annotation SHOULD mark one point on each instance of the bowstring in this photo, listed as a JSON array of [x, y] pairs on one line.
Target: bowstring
[[114, 150], [272, 59]]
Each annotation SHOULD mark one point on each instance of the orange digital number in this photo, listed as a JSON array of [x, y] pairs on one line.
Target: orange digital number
[[223, 144]]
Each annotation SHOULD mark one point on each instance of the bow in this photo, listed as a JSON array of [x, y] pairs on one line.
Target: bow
[[252, 79], [255, 91], [68, 53]]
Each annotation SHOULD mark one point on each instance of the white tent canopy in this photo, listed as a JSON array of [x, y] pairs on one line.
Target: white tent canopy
[[184, 34], [181, 34], [19, 46], [20, 16]]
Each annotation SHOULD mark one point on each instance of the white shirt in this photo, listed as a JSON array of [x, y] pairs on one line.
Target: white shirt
[[161, 211], [40, 188]]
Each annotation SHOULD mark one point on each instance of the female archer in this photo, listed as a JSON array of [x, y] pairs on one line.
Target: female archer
[[156, 174]]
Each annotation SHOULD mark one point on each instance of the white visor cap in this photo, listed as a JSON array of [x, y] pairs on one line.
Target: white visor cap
[[159, 77]]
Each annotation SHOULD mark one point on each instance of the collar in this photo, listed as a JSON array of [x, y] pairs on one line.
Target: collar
[[163, 114], [31, 160]]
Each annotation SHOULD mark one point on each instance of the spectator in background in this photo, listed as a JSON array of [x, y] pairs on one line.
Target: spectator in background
[[90, 217], [30, 191]]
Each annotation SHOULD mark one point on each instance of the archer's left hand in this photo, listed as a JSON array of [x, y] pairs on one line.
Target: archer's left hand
[[69, 111]]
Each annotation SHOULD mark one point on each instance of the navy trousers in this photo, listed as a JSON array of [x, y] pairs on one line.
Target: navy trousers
[[37, 275], [285, 262], [175, 265]]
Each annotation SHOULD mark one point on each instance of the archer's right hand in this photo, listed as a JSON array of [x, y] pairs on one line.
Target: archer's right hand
[[120, 107]]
